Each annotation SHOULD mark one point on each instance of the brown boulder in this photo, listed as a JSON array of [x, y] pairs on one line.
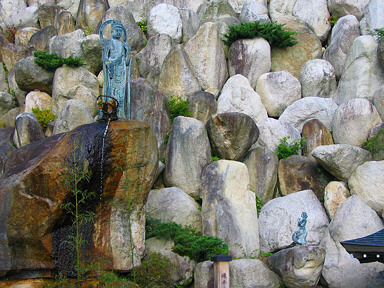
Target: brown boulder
[[316, 134]]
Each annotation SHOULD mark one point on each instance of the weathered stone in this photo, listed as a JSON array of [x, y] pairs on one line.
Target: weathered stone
[[66, 83], [37, 99], [190, 23], [90, 13], [150, 106], [12, 53], [277, 91], [65, 23], [88, 49], [262, 166], [4, 87], [297, 173], [30, 76], [238, 4], [5, 152], [40, 40], [177, 76], [373, 17], [278, 220], [62, 44], [340, 159], [173, 204], [204, 275], [362, 74], [213, 11], [23, 35], [206, 52], [317, 78], [229, 208], [152, 56], [316, 134], [378, 101], [73, 114], [353, 120], [8, 120], [7, 102], [298, 266], [7, 7], [231, 135], [308, 108], [271, 131], [238, 96], [367, 182], [254, 11], [251, 272], [188, 153], [28, 130], [72, 6], [380, 52], [335, 194], [135, 36], [26, 17], [354, 219], [202, 105], [250, 58], [347, 7], [344, 32], [292, 58], [165, 19], [48, 14], [223, 24], [378, 281], [6, 136]]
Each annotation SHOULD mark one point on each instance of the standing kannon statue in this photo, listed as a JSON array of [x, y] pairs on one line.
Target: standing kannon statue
[[116, 66]]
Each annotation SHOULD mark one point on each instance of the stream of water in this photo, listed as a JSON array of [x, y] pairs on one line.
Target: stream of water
[[102, 156]]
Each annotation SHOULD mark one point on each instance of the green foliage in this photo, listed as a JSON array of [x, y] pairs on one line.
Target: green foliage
[[379, 33], [287, 149], [188, 241], [51, 62], [154, 272], [258, 204], [178, 107], [215, 158], [143, 26], [375, 145], [274, 33], [6, 72], [44, 116], [333, 19]]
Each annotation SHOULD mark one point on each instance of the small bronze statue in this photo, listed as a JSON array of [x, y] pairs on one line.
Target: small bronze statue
[[116, 67], [299, 237]]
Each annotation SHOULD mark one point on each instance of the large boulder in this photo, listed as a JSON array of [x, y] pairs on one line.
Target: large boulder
[[316, 134], [340, 159], [65, 23], [317, 78], [373, 17], [8, 7], [229, 208], [150, 106], [188, 153], [90, 13], [11, 53], [262, 166], [347, 7], [30, 76], [250, 58], [367, 182], [254, 11], [40, 40], [173, 205], [7, 102], [343, 33], [308, 108], [378, 100], [62, 44], [22, 36], [353, 120], [278, 220], [48, 14], [231, 135], [335, 194], [354, 219], [238, 96], [25, 17], [190, 23], [277, 91], [202, 105], [89, 49], [28, 129], [37, 99], [363, 73], [206, 52], [298, 266]]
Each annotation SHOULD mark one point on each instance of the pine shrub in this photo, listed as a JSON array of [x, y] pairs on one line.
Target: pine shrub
[[51, 62]]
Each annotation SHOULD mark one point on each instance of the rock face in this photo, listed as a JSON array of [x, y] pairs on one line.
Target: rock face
[[335, 194], [299, 266], [7, 102], [347, 7], [229, 208], [33, 178], [89, 49], [316, 134], [367, 182], [172, 204], [354, 219], [203, 105], [250, 58], [278, 220], [28, 130], [188, 153], [90, 13], [231, 135]]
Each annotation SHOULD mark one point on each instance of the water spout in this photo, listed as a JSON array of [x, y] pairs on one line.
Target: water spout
[[102, 156]]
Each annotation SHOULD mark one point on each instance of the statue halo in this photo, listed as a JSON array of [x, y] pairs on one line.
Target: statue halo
[[112, 22]]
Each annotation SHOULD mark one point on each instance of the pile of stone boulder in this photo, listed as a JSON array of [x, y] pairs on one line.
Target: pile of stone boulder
[[244, 100]]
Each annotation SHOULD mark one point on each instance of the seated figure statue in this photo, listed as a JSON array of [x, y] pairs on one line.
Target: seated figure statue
[[116, 56], [299, 237]]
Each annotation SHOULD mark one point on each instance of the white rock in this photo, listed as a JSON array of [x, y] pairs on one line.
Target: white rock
[[165, 19], [353, 120], [62, 44], [367, 182], [8, 7], [378, 101], [238, 96], [254, 11], [277, 91], [26, 17], [310, 108], [278, 220], [347, 7], [373, 16], [37, 99]]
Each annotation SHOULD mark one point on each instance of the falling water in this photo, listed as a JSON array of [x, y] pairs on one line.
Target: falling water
[[102, 156]]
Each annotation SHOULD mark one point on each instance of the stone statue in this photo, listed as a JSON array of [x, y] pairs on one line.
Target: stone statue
[[116, 66], [299, 237]]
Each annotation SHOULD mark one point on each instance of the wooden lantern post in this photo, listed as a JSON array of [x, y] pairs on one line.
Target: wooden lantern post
[[221, 270]]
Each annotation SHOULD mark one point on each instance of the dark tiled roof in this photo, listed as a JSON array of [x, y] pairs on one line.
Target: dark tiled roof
[[375, 239]]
